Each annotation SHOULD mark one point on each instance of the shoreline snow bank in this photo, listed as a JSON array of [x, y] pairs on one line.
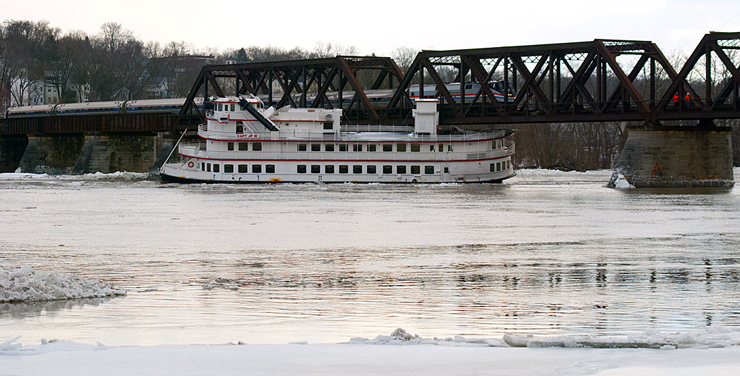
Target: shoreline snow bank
[[69, 358], [27, 285]]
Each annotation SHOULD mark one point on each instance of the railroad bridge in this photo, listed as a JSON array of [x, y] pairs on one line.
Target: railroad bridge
[[597, 81]]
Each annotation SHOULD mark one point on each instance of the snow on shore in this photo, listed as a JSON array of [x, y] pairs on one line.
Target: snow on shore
[[27, 285], [711, 353]]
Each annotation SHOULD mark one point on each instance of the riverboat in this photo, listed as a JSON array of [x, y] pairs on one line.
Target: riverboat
[[244, 142]]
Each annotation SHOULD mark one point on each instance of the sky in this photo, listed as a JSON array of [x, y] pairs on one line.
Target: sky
[[381, 26]]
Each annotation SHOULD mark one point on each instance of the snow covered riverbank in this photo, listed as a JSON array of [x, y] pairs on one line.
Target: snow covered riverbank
[[395, 358]]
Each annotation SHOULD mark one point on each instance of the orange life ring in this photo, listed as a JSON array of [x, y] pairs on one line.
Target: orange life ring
[[191, 164]]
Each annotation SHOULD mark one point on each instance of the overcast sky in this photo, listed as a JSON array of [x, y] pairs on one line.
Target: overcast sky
[[380, 26]]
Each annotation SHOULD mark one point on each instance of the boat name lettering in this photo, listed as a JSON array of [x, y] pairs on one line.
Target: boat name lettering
[[247, 136]]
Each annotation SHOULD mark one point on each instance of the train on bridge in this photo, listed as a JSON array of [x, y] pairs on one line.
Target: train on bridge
[[378, 99]]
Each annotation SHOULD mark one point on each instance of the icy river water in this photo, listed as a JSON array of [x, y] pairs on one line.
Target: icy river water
[[547, 252]]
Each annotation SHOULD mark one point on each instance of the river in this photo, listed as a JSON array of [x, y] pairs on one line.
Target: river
[[546, 252]]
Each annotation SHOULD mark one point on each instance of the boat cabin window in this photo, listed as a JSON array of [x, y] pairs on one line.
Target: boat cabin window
[[449, 147], [216, 167], [230, 146], [208, 167], [315, 169], [415, 170], [441, 148], [256, 146], [387, 147], [232, 107], [400, 170], [328, 126], [243, 146], [343, 169], [329, 147], [240, 129], [357, 147], [315, 147], [431, 147], [357, 169], [243, 169], [371, 169], [220, 106], [447, 170], [342, 147], [329, 169], [270, 169], [400, 147], [302, 147], [387, 169], [415, 147], [202, 166], [372, 147], [301, 169], [256, 169], [229, 168]]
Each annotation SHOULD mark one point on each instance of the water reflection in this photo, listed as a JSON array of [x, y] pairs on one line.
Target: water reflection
[[22, 310]]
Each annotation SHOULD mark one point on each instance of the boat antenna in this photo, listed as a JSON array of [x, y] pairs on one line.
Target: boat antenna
[[185, 132]]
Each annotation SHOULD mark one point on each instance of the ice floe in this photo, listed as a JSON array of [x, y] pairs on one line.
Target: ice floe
[[27, 285]]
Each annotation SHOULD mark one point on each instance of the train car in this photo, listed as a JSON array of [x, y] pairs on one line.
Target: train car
[[89, 108], [471, 90], [169, 105], [30, 111]]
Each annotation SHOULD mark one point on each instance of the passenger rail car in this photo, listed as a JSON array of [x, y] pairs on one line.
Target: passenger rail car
[[170, 105]]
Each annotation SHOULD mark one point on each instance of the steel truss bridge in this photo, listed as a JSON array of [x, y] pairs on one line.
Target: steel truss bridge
[[597, 81]]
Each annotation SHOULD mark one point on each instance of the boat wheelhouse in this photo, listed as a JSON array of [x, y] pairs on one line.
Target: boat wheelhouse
[[243, 142]]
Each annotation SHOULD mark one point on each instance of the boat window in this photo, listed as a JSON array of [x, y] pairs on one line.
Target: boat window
[[357, 147], [229, 168], [387, 147], [431, 147], [315, 169], [400, 169], [343, 169], [302, 147], [230, 146], [243, 146], [342, 147], [256, 169], [449, 147], [208, 167], [441, 148], [498, 166], [220, 106], [415, 170], [328, 126], [428, 170], [371, 169], [400, 147], [357, 169], [202, 166], [415, 147], [329, 169], [270, 169], [372, 147], [493, 167], [508, 165], [447, 170], [256, 146], [329, 147], [243, 169], [239, 128], [301, 169], [315, 147], [216, 167], [232, 107], [387, 169]]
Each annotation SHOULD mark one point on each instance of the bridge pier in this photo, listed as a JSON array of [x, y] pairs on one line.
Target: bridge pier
[[11, 151], [681, 156], [79, 153]]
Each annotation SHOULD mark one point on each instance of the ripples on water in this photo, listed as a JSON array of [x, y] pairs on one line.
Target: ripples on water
[[545, 253]]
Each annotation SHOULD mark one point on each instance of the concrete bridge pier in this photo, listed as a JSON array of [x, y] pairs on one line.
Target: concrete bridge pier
[[12, 148], [677, 156], [80, 153]]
